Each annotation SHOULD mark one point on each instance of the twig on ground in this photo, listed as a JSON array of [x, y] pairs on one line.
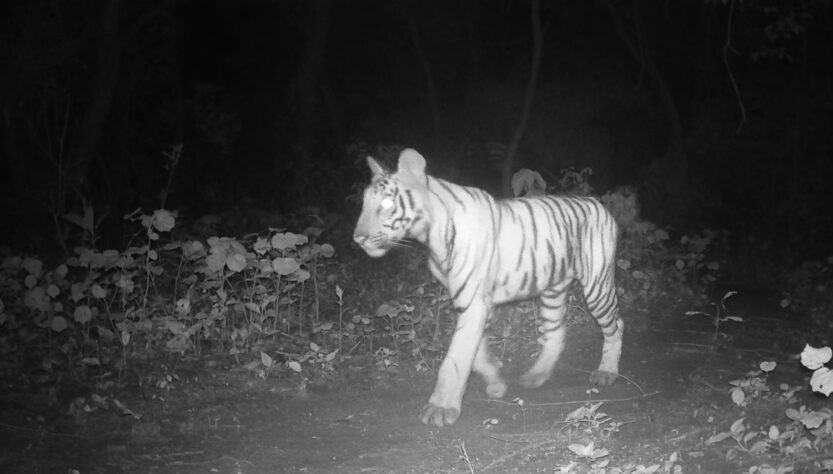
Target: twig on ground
[[575, 402], [461, 445]]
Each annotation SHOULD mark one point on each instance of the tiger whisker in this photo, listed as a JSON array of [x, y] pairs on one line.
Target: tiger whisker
[[402, 244]]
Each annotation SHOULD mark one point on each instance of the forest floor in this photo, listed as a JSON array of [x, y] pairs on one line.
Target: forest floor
[[214, 417]]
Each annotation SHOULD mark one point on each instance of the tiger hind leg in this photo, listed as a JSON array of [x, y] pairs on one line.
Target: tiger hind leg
[[485, 366], [603, 305], [552, 331], [608, 369]]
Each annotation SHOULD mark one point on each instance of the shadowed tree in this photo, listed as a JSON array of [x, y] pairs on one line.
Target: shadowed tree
[[632, 33], [65, 125], [101, 92], [515, 143], [306, 89]]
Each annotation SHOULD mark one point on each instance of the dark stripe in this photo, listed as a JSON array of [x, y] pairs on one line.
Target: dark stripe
[[459, 290], [532, 222], [450, 243], [544, 304], [399, 217], [451, 192], [553, 262], [558, 324], [520, 261]]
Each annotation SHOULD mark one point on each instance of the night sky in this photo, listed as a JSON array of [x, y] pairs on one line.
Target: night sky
[[719, 114]]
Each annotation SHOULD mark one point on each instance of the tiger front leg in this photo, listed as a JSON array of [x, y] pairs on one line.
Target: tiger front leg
[[444, 405]]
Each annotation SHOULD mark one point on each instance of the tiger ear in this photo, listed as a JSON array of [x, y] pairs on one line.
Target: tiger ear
[[412, 163], [375, 167]]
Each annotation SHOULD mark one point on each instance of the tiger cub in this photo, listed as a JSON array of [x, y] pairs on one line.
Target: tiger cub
[[488, 251]]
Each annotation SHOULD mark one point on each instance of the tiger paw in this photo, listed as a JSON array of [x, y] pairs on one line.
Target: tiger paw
[[439, 416], [534, 379], [603, 377], [496, 389]]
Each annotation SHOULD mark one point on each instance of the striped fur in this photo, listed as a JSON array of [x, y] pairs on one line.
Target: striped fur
[[488, 251]]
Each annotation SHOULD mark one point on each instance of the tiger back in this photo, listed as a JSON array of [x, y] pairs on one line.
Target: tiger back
[[487, 251]]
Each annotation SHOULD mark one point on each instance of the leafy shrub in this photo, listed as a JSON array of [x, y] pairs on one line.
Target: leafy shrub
[[809, 290], [229, 292], [808, 431], [652, 267]]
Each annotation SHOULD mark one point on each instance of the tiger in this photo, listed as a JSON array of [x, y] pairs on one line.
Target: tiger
[[488, 251]]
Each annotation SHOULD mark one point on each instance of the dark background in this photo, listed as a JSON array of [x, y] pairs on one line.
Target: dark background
[[276, 103]]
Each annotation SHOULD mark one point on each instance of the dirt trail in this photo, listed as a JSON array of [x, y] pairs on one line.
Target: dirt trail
[[364, 420]]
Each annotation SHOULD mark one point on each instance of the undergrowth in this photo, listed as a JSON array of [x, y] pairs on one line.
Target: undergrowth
[[272, 298], [281, 304]]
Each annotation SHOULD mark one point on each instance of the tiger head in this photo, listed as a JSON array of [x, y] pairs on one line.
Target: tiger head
[[392, 209]]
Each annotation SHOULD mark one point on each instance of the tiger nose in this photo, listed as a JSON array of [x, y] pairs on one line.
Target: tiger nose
[[359, 238]]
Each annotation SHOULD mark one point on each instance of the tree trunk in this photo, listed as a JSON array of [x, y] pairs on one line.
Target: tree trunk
[[13, 171], [307, 81], [430, 88], [94, 120], [634, 42], [514, 144]]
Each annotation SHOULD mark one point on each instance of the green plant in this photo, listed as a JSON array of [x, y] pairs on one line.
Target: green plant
[[719, 316], [809, 290], [652, 266], [399, 320], [808, 430], [749, 440], [574, 182], [588, 419], [396, 321], [753, 386], [815, 359], [86, 223], [339, 295], [693, 258], [589, 452], [176, 294], [819, 423], [623, 203]]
